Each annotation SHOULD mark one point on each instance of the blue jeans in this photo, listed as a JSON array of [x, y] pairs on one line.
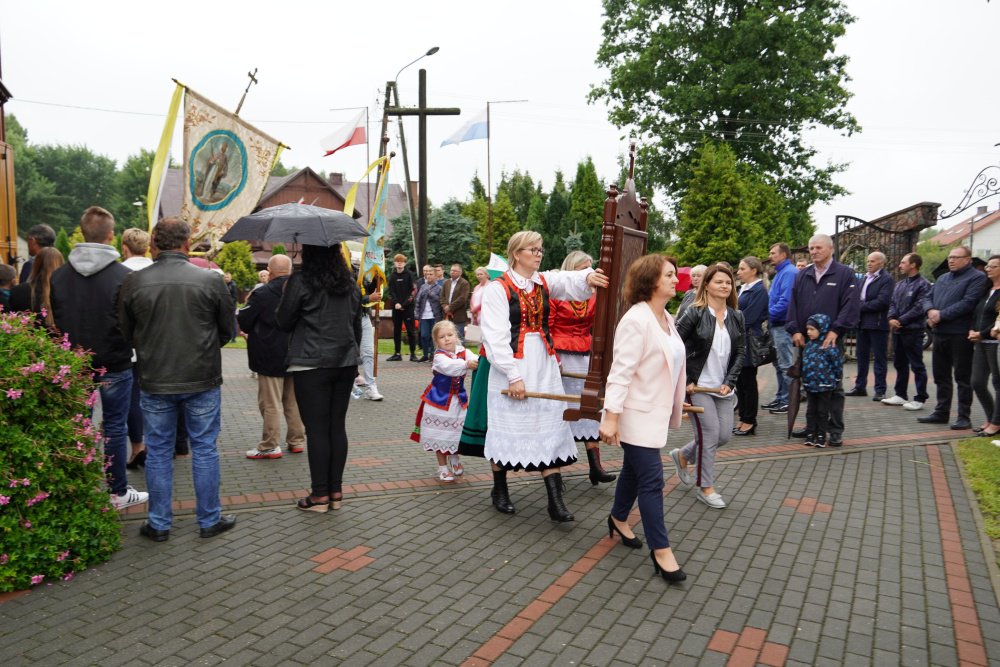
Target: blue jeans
[[641, 477], [202, 416], [785, 349], [461, 331], [426, 343], [116, 396]]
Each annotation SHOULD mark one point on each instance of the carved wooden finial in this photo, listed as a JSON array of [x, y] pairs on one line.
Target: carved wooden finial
[[631, 159]]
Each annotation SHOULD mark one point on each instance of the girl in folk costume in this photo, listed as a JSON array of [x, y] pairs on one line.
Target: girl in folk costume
[[570, 323], [444, 402], [527, 433]]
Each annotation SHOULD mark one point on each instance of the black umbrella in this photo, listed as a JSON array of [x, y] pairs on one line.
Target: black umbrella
[[794, 389], [296, 223]]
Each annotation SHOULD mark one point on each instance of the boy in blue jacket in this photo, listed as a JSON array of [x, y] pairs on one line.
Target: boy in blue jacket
[[822, 371]]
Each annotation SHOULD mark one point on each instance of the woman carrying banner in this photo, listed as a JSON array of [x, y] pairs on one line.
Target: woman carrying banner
[[527, 433], [570, 323]]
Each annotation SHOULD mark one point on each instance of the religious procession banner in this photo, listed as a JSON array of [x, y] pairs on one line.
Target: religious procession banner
[[373, 256], [226, 166]]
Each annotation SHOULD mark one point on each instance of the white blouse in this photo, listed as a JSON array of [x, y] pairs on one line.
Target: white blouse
[[495, 314], [714, 372]]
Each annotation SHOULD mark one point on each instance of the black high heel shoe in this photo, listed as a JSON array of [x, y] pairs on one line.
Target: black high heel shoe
[[138, 461], [674, 577], [751, 431], [630, 542]]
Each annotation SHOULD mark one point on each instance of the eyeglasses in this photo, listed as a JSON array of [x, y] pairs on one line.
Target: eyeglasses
[[958, 257], [537, 252]]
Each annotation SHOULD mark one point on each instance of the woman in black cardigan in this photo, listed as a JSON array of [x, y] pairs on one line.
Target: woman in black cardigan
[[753, 304], [984, 359], [321, 307], [713, 333]]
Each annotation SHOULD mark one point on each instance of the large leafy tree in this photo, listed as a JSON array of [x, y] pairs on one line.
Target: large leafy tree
[[505, 225], [450, 236], [132, 184], [520, 189], [727, 211], [237, 259], [552, 229], [756, 74], [82, 177], [38, 202], [586, 210]]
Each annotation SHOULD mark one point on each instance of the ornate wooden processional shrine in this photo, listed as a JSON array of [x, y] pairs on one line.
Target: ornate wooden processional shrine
[[623, 240]]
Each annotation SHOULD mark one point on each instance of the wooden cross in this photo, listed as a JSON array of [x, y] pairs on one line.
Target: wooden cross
[[253, 80], [422, 111]]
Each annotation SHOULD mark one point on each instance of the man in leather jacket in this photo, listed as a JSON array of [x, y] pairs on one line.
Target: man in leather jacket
[[177, 317]]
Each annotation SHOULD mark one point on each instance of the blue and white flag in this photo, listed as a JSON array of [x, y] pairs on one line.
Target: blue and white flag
[[476, 128]]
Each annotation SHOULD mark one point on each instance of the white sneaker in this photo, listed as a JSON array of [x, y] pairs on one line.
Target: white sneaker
[[895, 400], [713, 500], [129, 498], [371, 393], [913, 405], [273, 453]]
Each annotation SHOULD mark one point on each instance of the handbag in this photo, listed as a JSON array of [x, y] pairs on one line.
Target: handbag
[[762, 350]]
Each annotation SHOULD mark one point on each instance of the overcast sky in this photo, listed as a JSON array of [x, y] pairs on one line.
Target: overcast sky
[[923, 75]]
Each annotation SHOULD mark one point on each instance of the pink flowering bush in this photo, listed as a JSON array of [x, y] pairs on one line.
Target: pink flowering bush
[[55, 514]]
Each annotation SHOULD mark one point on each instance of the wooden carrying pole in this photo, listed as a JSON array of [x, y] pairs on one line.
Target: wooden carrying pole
[[576, 399]]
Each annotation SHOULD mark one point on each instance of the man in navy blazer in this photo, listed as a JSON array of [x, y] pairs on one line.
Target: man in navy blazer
[[873, 330]]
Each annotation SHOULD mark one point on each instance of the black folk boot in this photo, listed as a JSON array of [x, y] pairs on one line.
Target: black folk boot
[[557, 508], [499, 494], [597, 472]]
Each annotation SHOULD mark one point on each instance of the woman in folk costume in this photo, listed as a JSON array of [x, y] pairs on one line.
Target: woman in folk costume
[[527, 433], [570, 323], [444, 402]]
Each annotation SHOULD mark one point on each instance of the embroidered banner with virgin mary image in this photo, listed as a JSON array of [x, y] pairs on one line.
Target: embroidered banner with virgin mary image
[[226, 165]]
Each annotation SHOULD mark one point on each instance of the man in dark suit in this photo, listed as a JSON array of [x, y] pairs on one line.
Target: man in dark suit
[[873, 330], [455, 299]]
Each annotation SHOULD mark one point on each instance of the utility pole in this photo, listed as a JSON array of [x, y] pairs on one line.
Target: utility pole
[[421, 111]]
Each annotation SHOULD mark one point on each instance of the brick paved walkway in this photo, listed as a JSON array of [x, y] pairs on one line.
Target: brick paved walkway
[[867, 555]]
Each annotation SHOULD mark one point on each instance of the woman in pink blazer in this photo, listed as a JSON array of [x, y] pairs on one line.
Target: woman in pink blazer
[[647, 377]]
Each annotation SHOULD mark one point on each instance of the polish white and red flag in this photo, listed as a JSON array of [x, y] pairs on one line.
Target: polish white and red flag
[[351, 134]]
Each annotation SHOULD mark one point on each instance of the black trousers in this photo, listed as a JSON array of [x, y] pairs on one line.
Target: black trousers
[[908, 352], [323, 395], [747, 395], [872, 343], [952, 354], [398, 318], [818, 412], [985, 367]]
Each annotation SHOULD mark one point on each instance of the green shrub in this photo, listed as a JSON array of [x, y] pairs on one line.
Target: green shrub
[[55, 514]]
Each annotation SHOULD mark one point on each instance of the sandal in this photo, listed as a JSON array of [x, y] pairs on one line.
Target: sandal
[[336, 500], [310, 505]]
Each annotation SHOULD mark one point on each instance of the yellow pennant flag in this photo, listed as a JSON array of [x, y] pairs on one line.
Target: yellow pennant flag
[[159, 170], [352, 194]]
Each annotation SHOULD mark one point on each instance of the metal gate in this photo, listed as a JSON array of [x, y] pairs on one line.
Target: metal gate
[[895, 236]]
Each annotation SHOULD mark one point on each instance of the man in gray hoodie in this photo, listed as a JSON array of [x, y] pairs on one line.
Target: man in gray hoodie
[[84, 306]]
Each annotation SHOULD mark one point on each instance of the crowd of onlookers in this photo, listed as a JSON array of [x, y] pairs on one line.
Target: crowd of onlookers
[[311, 346]]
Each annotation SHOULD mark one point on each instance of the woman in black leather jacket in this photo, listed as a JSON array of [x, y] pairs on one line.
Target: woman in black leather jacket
[[321, 307], [713, 333]]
